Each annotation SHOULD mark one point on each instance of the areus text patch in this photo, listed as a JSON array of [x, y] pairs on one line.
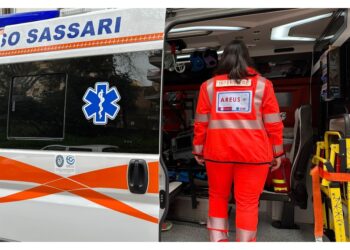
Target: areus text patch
[[234, 101]]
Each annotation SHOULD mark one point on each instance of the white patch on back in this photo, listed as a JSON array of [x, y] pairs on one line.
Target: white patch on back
[[234, 102]]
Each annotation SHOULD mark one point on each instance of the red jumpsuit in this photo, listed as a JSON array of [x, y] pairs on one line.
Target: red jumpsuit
[[238, 130]]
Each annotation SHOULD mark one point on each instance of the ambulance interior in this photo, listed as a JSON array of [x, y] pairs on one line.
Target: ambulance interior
[[286, 45]]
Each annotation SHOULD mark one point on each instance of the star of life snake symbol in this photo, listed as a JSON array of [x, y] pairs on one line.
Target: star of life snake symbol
[[101, 103]]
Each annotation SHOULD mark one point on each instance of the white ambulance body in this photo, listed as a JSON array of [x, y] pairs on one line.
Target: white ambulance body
[[90, 193]]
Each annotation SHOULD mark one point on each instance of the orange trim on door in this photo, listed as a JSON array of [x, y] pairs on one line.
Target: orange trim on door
[[114, 177], [153, 173]]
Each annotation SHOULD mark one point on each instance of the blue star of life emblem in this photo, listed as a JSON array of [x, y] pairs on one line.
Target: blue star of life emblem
[[101, 103]]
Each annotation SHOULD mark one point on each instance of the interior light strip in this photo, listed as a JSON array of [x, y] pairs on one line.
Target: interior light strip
[[282, 32], [187, 56], [210, 28]]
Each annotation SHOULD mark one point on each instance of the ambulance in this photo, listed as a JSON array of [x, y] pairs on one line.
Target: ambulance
[[97, 111]]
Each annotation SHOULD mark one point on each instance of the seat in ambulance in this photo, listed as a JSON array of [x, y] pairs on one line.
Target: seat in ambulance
[[340, 123], [300, 157]]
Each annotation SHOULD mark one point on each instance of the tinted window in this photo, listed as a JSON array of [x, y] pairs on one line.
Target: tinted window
[[135, 128], [36, 108]]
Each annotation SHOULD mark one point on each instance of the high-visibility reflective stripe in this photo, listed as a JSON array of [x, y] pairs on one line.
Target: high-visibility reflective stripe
[[259, 93], [202, 117], [278, 181], [277, 149], [210, 89], [280, 189], [234, 124], [271, 118], [215, 223], [242, 124], [218, 229], [197, 149]]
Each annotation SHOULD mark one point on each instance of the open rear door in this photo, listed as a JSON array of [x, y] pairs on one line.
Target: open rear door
[[80, 144]]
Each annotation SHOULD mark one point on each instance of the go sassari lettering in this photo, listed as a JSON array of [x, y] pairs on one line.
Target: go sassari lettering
[[89, 28]]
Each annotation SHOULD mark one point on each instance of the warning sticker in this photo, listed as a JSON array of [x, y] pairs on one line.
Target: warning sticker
[[65, 164], [234, 101]]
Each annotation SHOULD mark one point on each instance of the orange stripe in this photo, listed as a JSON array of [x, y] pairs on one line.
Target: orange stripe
[[85, 44], [65, 184], [113, 204], [153, 185], [114, 177], [17, 171], [29, 194]]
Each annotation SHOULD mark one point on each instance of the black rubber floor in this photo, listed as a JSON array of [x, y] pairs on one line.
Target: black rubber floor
[[190, 232]]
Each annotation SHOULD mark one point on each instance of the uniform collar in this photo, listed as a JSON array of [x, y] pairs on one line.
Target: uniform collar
[[252, 71]]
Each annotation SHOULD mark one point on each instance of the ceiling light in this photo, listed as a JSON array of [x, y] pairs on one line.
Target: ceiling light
[[282, 32], [187, 56], [210, 28], [183, 56], [328, 37]]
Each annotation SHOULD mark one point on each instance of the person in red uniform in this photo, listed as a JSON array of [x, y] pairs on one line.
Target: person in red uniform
[[238, 135]]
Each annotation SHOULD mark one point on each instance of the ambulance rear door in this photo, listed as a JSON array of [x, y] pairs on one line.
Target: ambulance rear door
[[80, 128]]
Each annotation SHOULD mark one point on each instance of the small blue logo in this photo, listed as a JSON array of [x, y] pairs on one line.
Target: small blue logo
[[101, 103], [70, 160]]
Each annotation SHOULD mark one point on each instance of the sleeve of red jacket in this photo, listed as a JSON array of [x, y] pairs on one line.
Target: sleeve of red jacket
[[272, 120], [201, 120]]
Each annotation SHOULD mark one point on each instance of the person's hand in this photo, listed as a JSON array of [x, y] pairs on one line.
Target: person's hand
[[199, 159], [276, 163]]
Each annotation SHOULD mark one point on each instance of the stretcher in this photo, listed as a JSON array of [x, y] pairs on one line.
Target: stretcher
[[331, 187]]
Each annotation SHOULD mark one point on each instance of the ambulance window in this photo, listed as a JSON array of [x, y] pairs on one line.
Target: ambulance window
[[36, 107], [45, 106], [135, 128]]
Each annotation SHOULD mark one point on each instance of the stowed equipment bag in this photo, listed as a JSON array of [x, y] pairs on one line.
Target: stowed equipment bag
[[279, 180]]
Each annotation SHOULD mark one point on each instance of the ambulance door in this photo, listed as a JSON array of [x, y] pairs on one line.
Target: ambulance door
[[80, 128]]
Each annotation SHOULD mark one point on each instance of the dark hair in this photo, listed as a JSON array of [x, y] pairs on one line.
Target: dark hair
[[235, 61]]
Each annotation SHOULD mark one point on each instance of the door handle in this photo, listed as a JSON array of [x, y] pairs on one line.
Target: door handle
[[137, 176]]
